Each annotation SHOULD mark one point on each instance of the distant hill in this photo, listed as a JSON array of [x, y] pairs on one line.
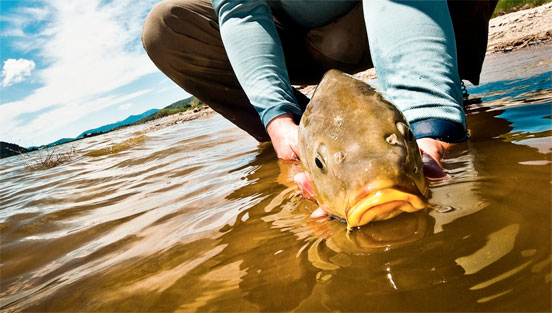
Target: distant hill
[[176, 107], [181, 104], [144, 117], [8, 149], [152, 114], [127, 121], [60, 141]]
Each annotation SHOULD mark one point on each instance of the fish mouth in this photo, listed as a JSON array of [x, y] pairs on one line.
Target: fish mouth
[[382, 204]]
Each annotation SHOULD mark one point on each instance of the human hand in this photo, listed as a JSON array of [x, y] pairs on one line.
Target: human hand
[[432, 151], [284, 134]]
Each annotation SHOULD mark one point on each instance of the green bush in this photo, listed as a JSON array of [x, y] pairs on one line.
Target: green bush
[[507, 6]]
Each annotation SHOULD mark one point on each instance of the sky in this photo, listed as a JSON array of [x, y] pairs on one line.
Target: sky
[[69, 66]]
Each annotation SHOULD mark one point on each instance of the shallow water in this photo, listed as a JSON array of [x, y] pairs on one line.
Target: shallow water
[[194, 217]]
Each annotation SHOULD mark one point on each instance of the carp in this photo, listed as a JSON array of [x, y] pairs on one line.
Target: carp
[[360, 153]]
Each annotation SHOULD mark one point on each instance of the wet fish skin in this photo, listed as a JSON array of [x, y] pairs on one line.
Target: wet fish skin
[[359, 152]]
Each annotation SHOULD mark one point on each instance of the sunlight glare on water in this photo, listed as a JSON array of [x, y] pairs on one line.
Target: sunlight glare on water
[[193, 217]]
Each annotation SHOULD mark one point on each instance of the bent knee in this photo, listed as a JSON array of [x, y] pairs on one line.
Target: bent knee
[[154, 26], [171, 24]]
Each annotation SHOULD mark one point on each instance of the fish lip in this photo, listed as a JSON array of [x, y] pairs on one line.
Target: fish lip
[[375, 200]]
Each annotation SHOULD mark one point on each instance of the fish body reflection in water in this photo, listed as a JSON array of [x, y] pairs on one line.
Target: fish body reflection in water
[[193, 219]]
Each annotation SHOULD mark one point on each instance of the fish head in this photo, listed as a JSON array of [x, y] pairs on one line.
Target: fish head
[[360, 153]]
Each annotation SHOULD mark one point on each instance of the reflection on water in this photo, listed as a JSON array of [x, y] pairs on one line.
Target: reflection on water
[[194, 217]]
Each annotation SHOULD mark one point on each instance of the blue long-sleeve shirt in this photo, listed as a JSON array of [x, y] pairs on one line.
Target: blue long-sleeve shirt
[[411, 44]]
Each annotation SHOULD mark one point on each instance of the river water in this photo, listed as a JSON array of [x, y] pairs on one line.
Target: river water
[[200, 217]]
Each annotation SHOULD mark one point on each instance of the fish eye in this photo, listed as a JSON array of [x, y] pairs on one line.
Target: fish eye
[[320, 157], [318, 162]]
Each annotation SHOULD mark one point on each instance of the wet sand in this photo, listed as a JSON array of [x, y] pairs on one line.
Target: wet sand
[[509, 32]]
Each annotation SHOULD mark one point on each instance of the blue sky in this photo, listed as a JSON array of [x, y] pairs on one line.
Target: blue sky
[[68, 66]]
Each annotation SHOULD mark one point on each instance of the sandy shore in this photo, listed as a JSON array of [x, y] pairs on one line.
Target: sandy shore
[[520, 29], [509, 32], [178, 118]]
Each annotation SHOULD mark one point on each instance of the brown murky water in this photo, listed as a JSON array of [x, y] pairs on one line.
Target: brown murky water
[[193, 217]]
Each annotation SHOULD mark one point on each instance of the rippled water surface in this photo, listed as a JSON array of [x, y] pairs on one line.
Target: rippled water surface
[[198, 217]]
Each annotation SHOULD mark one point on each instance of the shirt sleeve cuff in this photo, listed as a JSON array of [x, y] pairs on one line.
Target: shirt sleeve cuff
[[442, 130], [269, 114]]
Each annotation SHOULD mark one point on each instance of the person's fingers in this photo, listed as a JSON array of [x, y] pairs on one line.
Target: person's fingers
[[286, 154], [284, 135], [302, 181], [318, 213], [286, 146], [295, 148], [432, 152], [432, 169], [434, 148]]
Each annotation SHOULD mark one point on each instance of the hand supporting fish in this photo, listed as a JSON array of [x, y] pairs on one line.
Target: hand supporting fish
[[283, 133], [360, 153]]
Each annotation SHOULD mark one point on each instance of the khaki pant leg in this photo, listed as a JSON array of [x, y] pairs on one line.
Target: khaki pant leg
[[182, 38], [342, 44]]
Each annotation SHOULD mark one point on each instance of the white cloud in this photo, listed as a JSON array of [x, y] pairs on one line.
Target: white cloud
[[62, 116], [36, 13], [24, 17], [14, 71], [124, 106], [91, 48]]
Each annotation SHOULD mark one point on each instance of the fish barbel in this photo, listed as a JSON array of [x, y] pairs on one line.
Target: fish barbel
[[360, 153]]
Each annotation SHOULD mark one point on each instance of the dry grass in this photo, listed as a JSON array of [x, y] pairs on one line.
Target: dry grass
[[45, 158], [115, 148]]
